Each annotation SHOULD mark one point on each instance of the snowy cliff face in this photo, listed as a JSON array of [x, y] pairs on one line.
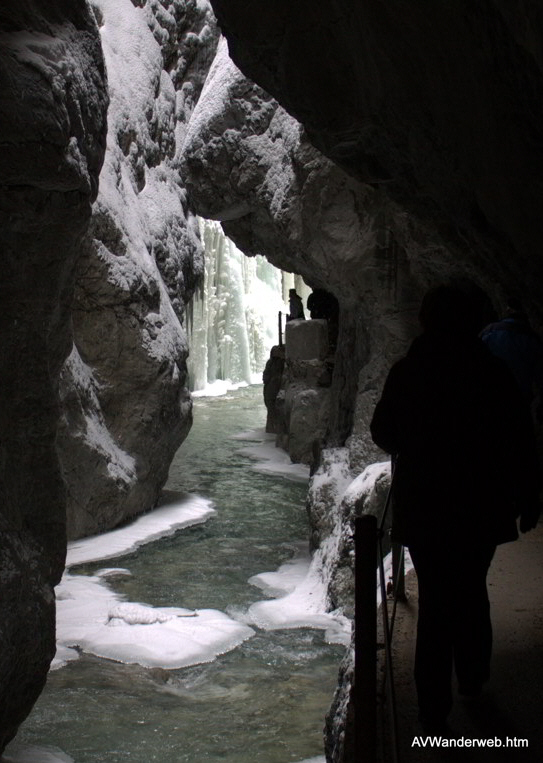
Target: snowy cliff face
[[248, 163], [438, 105], [52, 132], [126, 406]]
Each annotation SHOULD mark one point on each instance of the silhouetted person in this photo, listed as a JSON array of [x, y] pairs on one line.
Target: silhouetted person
[[466, 469], [322, 304], [514, 341], [296, 307]]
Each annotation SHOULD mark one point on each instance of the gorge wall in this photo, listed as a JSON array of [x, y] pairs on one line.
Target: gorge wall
[[52, 114], [404, 147], [125, 403], [93, 397], [430, 119]]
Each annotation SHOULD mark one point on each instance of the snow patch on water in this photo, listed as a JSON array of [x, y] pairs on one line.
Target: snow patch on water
[[160, 523], [302, 601], [300, 587], [93, 619], [218, 388], [271, 460]]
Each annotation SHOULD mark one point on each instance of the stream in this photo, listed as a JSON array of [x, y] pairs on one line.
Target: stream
[[263, 700]]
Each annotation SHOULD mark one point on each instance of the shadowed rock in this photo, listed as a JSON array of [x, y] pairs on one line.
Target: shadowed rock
[[52, 116]]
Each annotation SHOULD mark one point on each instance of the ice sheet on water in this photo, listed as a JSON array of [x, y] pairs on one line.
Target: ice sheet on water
[[93, 619], [218, 388], [159, 523], [17, 752], [301, 601], [96, 620], [272, 460]]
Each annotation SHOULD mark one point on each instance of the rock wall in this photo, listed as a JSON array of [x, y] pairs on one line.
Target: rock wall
[[248, 163], [438, 106], [432, 118], [126, 406], [53, 104]]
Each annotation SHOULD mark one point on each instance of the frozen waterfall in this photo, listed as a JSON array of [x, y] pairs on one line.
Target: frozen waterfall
[[233, 317]]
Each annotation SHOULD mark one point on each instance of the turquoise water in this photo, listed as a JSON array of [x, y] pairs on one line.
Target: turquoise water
[[263, 702]]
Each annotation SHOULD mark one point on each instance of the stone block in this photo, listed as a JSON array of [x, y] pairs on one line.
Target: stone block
[[306, 339]]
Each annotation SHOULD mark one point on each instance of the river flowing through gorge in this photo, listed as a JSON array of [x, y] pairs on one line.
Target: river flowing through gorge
[[263, 697]]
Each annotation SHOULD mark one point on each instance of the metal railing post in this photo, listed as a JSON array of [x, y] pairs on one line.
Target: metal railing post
[[365, 661], [280, 321], [398, 572]]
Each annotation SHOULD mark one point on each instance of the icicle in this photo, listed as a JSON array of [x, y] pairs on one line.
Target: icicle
[[233, 318]]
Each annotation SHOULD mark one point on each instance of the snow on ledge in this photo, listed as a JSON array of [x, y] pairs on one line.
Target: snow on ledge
[[159, 523], [271, 460], [301, 601]]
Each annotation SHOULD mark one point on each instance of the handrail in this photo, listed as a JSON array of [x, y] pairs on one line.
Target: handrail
[[369, 556]]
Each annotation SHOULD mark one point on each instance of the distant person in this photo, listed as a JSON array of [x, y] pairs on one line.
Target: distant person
[[466, 468], [296, 307], [514, 341], [322, 304]]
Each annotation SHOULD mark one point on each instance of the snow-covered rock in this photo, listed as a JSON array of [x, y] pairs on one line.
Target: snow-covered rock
[[248, 163], [126, 406]]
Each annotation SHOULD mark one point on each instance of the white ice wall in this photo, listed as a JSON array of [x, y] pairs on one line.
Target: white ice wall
[[233, 319]]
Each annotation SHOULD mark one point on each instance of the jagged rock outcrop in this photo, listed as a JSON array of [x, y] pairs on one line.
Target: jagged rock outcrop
[[126, 406], [247, 163], [52, 138], [438, 106]]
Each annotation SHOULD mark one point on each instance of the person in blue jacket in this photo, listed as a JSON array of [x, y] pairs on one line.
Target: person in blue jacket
[[466, 468]]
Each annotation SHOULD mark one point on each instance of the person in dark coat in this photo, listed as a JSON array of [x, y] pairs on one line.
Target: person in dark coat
[[466, 468], [323, 304], [296, 306]]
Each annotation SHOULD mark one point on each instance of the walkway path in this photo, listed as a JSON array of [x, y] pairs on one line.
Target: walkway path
[[512, 702]]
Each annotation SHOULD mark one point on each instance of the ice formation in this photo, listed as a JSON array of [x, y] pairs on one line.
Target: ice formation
[[93, 619], [98, 622], [301, 587], [233, 319], [164, 521], [269, 459]]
